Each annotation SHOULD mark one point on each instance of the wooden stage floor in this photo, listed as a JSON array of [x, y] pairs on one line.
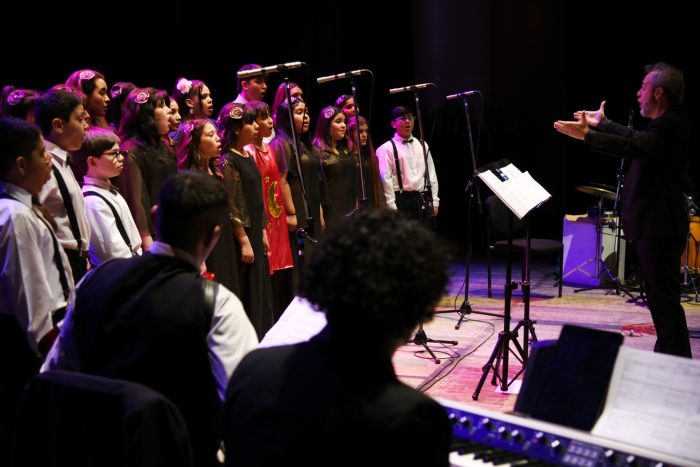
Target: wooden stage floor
[[460, 368]]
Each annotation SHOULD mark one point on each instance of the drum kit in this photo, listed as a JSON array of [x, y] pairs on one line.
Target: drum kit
[[603, 218], [690, 259]]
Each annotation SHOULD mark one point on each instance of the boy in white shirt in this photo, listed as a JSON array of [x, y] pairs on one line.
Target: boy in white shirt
[[113, 232]]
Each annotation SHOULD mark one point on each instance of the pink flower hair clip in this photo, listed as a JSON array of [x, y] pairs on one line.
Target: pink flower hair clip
[[86, 74], [328, 112], [183, 85], [142, 97], [188, 127], [15, 97]]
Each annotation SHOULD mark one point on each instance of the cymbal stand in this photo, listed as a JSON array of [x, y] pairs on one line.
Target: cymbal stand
[[600, 266], [688, 277]]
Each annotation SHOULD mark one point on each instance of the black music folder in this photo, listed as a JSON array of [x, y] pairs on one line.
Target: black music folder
[[568, 384]]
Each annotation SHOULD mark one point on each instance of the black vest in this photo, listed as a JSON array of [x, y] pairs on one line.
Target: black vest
[[143, 319]]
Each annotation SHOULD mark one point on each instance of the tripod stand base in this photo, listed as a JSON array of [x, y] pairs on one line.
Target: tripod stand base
[[422, 339]]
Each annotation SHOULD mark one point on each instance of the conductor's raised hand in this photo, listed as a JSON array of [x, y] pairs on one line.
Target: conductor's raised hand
[[577, 129], [593, 117]]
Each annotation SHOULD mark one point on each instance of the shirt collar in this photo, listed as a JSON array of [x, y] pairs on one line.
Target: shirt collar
[[106, 184], [17, 192], [57, 152], [160, 248], [399, 139]]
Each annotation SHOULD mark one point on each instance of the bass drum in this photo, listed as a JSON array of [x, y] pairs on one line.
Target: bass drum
[[692, 247]]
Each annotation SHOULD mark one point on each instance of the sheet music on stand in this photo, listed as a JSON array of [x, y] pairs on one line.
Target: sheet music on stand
[[518, 190], [653, 401]]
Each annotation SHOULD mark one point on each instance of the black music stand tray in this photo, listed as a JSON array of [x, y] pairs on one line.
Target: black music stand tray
[[521, 194]]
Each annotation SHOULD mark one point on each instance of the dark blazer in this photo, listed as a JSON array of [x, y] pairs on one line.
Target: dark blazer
[[322, 403], [653, 204]]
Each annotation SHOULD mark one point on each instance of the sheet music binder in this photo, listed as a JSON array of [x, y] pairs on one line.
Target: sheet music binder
[[518, 190]]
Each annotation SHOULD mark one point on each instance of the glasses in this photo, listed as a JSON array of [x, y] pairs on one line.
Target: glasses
[[405, 118], [115, 155]]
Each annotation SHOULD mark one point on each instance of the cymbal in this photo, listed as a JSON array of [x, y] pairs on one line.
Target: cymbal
[[604, 186], [596, 191]]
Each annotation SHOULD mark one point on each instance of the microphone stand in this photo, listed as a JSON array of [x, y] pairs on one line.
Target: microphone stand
[[421, 338], [472, 191], [307, 232], [363, 192]]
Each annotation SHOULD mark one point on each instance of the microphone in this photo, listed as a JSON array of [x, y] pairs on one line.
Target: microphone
[[325, 79], [461, 94], [410, 88], [268, 69]]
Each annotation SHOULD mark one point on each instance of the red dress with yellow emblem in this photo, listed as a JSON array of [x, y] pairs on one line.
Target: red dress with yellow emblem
[[280, 256]]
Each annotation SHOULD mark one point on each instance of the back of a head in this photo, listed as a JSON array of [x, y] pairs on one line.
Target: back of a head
[[17, 138], [379, 270], [18, 103], [190, 204]]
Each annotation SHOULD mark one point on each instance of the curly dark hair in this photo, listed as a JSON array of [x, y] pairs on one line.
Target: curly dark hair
[[377, 270]]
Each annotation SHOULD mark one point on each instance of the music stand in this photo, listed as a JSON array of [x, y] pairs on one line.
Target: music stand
[[521, 194]]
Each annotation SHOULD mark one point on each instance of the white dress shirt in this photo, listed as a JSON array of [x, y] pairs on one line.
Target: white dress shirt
[[410, 154], [105, 240], [50, 197], [230, 337], [30, 285]]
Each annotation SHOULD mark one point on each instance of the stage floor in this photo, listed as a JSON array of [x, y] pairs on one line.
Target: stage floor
[[460, 368]]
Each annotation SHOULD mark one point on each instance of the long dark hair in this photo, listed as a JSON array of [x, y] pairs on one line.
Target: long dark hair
[[138, 119]]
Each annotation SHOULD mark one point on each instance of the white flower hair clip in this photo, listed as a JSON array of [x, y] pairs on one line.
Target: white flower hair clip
[[15, 97], [142, 97], [328, 112], [236, 112], [183, 85], [86, 74]]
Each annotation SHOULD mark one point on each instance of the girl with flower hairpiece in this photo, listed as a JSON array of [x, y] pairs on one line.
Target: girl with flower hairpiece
[[281, 94], [193, 99], [346, 103], [370, 165], [199, 148], [284, 147], [149, 161], [117, 95], [338, 162], [276, 204], [18, 103], [93, 85], [243, 182]]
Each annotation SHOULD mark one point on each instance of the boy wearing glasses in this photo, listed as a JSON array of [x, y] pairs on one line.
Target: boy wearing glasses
[[113, 230], [402, 169]]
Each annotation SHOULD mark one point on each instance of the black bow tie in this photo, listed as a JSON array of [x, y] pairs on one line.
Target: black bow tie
[[408, 141], [113, 189]]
